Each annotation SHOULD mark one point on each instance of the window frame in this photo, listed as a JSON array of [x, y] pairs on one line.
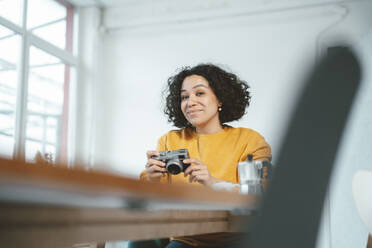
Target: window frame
[[28, 39]]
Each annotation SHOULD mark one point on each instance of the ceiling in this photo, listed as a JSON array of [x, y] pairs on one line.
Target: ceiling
[[112, 3], [107, 3]]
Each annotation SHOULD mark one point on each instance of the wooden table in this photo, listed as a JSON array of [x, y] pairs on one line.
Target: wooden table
[[53, 206]]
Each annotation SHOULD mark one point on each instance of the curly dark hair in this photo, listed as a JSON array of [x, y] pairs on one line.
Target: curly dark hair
[[231, 91]]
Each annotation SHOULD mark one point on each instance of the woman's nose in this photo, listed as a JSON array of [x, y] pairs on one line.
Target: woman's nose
[[191, 101]]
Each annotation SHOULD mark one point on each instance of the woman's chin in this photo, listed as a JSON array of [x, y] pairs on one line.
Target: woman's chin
[[196, 124]]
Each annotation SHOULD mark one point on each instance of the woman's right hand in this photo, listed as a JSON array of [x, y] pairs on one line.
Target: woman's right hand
[[155, 169]]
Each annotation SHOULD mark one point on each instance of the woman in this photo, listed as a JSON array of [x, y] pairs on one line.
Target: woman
[[200, 101]]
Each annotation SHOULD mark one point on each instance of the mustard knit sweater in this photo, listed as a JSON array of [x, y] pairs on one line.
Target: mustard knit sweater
[[220, 152]]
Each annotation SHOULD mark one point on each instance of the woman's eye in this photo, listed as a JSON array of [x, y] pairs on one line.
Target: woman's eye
[[184, 97], [199, 93]]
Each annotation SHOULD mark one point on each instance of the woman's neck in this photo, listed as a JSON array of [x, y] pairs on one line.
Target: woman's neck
[[209, 129]]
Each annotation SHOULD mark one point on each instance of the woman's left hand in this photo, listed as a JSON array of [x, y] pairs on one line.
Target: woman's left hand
[[198, 172]]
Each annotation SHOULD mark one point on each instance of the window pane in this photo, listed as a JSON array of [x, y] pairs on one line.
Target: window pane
[[9, 56], [4, 32], [51, 24], [40, 58], [45, 104], [41, 12], [55, 33], [12, 10], [41, 138]]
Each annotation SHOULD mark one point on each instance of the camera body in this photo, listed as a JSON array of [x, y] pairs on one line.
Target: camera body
[[174, 160]]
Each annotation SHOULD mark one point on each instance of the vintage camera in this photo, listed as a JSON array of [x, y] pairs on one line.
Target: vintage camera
[[174, 160]]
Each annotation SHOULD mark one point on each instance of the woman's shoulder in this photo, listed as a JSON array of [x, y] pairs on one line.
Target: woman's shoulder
[[245, 134], [244, 131], [178, 133]]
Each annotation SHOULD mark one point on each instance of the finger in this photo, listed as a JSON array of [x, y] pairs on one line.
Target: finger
[[191, 168], [191, 161], [187, 171], [196, 167], [198, 178], [151, 153], [191, 179], [199, 175], [196, 173], [154, 169], [152, 161]]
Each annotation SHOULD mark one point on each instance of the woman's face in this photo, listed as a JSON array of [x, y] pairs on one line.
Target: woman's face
[[199, 104]]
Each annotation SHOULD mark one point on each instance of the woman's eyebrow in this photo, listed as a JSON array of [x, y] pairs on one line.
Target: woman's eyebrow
[[196, 86]]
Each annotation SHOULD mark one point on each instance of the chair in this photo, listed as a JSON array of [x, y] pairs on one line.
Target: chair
[[291, 209]]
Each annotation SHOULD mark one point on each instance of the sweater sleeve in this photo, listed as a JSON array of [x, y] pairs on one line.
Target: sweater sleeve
[[258, 147], [160, 147], [262, 150]]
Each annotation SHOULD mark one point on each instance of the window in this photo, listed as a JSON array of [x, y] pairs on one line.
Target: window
[[52, 24], [12, 10], [9, 56], [36, 61]]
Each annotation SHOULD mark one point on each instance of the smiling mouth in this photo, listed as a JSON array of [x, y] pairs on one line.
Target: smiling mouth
[[193, 112]]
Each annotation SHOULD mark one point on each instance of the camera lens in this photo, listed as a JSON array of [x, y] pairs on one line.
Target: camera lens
[[174, 166]]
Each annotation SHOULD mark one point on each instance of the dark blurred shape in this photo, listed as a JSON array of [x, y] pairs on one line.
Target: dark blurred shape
[[291, 210]]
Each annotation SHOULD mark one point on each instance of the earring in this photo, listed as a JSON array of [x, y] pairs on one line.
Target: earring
[[219, 109]]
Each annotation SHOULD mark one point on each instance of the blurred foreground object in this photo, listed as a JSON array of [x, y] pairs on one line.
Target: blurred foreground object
[[291, 209]]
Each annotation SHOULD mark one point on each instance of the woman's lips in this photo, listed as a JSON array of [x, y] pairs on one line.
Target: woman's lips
[[193, 112]]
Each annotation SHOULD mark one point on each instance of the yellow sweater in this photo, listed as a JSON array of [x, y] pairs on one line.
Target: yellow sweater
[[221, 152]]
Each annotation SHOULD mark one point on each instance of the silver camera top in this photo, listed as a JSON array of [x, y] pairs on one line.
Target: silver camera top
[[174, 160]]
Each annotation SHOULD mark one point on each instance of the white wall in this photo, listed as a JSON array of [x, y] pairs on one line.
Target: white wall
[[270, 49]]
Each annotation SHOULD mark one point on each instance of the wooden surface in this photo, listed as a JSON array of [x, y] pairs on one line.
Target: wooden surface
[[81, 181], [37, 207], [35, 226]]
